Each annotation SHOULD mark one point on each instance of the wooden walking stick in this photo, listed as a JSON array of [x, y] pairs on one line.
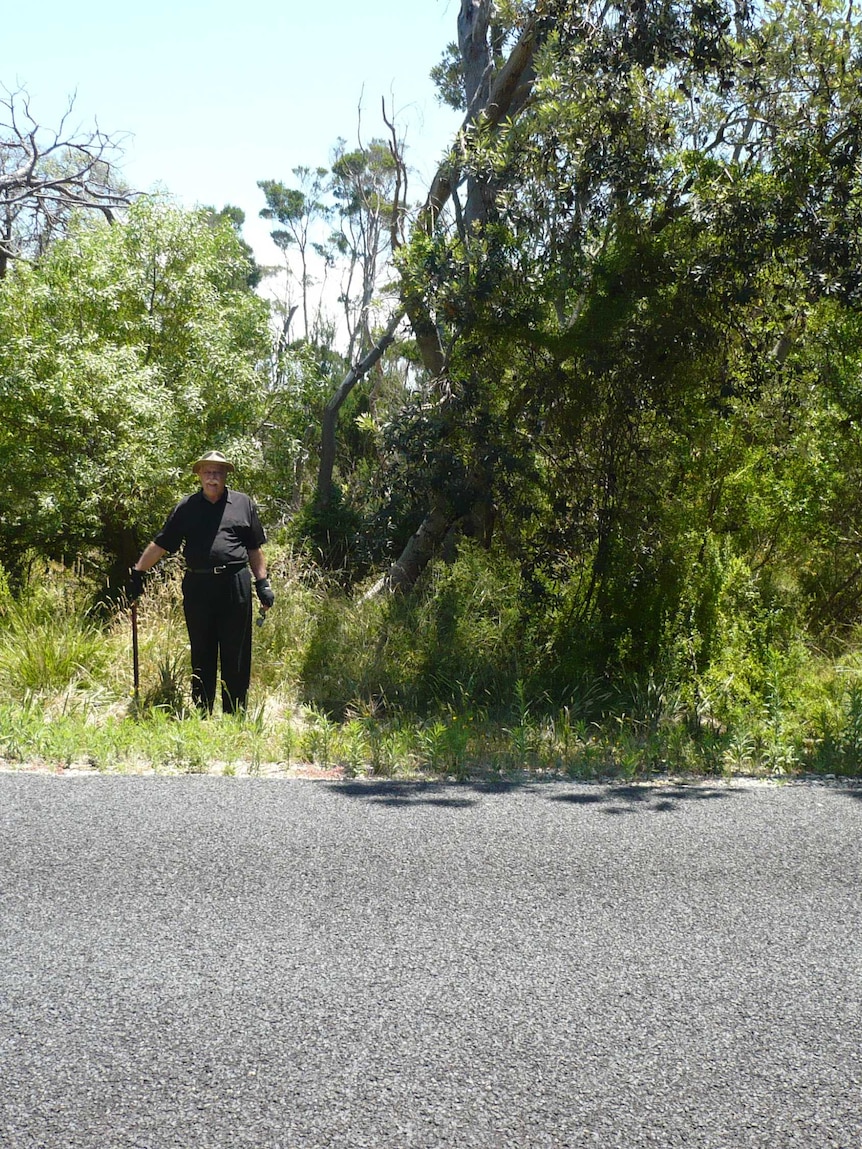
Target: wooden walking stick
[[135, 663]]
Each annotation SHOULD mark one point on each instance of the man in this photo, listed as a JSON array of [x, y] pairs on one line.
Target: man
[[222, 537]]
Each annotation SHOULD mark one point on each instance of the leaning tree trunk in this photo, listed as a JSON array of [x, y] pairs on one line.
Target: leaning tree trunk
[[473, 26], [493, 96]]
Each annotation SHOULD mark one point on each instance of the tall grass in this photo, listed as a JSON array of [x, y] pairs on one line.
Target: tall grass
[[48, 647], [447, 681]]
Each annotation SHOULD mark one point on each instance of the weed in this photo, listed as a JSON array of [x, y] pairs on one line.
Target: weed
[[254, 723], [49, 651], [353, 746], [168, 692], [446, 743], [319, 737], [287, 741], [845, 736]]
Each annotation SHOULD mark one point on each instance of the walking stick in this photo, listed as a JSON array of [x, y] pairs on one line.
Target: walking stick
[[135, 663]]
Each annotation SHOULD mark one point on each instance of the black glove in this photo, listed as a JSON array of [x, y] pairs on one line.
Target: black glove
[[136, 584], [264, 592]]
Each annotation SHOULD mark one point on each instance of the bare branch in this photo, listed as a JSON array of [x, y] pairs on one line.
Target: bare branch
[[45, 175], [330, 415], [399, 194]]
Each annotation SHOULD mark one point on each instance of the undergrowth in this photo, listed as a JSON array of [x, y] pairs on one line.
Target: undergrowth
[[443, 683]]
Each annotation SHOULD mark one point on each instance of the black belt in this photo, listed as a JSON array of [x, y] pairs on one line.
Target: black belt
[[228, 568]]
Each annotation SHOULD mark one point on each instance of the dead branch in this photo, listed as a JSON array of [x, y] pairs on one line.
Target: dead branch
[[45, 175]]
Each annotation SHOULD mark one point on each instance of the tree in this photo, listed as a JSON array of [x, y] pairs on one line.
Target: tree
[[298, 211], [495, 92], [47, 175], [367, 186], [621, 283], [363, 197], [329, 421], [235, 216], [582, 133]]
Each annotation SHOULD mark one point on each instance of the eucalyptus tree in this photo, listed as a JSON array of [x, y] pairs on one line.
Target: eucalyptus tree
[[349, 217], [633, 287], [299, 211], [618, 284], [367, 188]]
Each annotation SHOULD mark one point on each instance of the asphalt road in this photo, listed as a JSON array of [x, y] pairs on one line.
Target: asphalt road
[[199, 962]]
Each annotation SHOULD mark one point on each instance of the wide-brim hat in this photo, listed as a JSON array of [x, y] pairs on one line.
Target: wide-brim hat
[[212, 457]]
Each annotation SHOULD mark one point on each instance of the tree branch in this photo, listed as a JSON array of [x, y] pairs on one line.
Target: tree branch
[[66, 171], [330, 414]]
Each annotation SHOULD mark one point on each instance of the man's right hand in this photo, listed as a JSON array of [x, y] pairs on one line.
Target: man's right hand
[[136, 584]]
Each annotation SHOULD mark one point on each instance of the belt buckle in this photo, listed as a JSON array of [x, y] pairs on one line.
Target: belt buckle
[[219, 570]]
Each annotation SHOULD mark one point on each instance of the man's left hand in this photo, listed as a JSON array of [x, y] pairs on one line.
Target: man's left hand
[[264, 592]]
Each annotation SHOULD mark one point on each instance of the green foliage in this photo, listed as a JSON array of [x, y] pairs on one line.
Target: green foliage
[[329, 534], [643, 445], [281, 477], [453, 643], [653, 342], [448, 78], [167, 690], [235, 217], [123, 353], [466, 627], [298, 211]]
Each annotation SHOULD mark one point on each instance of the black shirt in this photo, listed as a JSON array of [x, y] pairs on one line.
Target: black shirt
[[214, 533]]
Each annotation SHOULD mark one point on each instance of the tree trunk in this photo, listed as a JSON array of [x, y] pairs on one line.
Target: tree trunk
[[330, 414], [473, 24], [418, 552], [494, 96]]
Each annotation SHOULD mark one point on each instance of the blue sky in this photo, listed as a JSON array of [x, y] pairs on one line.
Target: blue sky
[[216, 96]]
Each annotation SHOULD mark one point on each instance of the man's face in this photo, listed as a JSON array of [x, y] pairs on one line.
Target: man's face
[[212, 479]]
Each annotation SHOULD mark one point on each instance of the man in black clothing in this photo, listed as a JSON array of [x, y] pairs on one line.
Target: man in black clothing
[[223, 537]]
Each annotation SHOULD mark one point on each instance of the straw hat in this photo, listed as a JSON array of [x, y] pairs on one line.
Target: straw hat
[[215, 457]]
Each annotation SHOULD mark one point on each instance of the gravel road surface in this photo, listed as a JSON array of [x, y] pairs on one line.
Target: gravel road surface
[[201, 962]]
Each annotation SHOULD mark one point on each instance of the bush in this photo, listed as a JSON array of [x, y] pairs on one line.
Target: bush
[[453, 642], [329, 534]]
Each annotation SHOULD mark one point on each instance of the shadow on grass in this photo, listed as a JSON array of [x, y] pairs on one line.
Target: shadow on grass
[[614, 798]]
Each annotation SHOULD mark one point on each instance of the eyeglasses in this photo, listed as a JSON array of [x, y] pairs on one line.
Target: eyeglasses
[[219, 474]]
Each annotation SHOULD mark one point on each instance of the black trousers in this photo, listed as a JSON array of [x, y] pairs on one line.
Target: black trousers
[[218, 618]]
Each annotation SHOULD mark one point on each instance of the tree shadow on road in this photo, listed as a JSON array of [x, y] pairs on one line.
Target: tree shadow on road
[[614, 798], [629, 799], [398, 792]]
